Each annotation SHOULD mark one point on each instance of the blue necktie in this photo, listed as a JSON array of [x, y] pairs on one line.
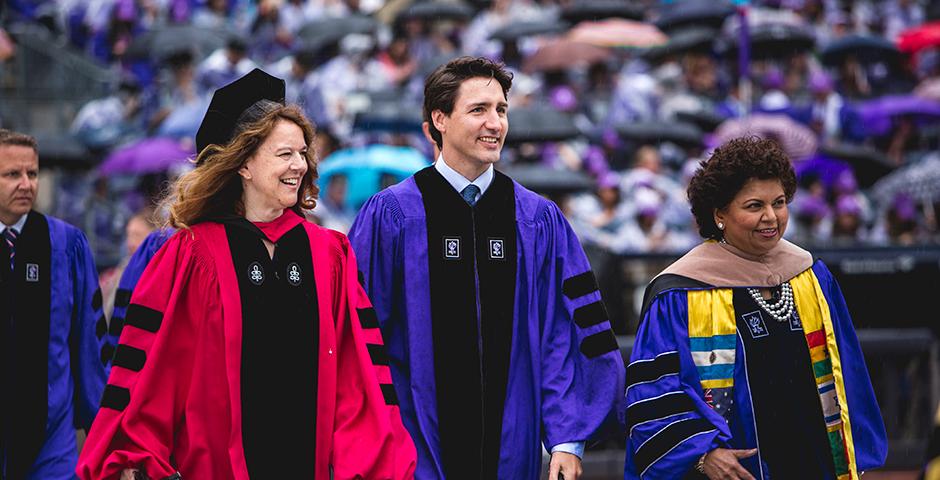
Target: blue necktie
[[469, 194], [10, 236]]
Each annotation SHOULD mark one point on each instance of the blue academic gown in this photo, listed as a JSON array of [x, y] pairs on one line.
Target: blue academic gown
[[689, 393], [507, 277], [53, 304], [132, 272]]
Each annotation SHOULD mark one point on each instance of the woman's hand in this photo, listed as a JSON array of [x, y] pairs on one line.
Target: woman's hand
[[133, 474], [723, 464]]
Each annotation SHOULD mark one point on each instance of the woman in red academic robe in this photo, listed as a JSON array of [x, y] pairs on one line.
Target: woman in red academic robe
[[249, 349]]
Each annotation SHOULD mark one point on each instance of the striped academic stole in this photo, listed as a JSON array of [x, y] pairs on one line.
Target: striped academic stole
[[712, 341]]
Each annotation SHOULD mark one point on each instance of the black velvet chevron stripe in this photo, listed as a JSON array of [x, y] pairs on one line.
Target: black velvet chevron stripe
[[117, 325], [579, 285], [665, 406], [367, 317], [388, 391], [649, 370], [143, 318], [378, 354], [362, 279], [129, 357], [667, 439], [122, 297], [599, 344], [107, 353], [101, 327], [590, 314], [96, 300], [115, 398]]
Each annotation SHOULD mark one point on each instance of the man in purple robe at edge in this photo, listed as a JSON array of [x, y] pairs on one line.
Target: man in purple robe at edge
[[497, 337]]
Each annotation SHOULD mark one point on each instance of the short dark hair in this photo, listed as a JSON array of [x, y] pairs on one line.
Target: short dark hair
[[9, 137], [731, 166], [441, 86]]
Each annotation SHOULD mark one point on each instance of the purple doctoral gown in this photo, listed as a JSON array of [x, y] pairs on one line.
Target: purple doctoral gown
[[497, 337]]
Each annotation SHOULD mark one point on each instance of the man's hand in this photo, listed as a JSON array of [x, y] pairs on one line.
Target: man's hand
[[566, 464], [723, 464]]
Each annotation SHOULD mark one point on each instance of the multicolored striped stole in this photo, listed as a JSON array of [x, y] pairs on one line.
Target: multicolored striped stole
[[824, 353], [713, 337]]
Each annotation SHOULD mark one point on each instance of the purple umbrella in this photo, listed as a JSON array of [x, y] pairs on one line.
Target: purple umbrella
[[146, 156], [877, 115]]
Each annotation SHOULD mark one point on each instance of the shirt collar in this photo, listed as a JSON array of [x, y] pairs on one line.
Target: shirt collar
[[458, 181], [18, 226]]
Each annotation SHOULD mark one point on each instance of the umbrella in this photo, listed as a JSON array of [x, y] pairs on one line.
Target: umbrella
[[920, 180], [683, 134], [865, 48], [617, 32], [364, 168], [877, 116], [706, 120], [435, 10], [58, 149], [601, 9], [867, 163], [517, 30], [540, 124], [918, 38], [162, 42], [542, 179], [387, 112], [564, 55], [775, 40], [701, 13], [149, 155], [684, 41], [332, 29], [796, 140]]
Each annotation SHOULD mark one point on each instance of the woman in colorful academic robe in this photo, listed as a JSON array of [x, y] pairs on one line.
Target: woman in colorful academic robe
[[247, 349], [746, 364]]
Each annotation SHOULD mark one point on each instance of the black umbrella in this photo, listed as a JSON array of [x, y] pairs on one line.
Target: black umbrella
[[387, 112], [869, 164], [163, 42], [432, 10], [540, 124], [683, 134], [683, 41], [705, 120], [64, 150], [775, 40], [865, 48], [542, 179], [517, 30], [325, 31], [694, 13], [591, 10]]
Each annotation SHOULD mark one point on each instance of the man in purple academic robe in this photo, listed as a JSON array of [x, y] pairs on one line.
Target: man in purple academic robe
[[497, 337]]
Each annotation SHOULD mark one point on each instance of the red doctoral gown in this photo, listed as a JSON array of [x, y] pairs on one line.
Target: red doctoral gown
[[175, 402]]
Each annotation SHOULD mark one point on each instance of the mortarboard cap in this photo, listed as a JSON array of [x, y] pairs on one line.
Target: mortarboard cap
[[231, 101]]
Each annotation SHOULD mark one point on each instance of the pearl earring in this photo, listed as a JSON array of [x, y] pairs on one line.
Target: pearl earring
[[721, 226]]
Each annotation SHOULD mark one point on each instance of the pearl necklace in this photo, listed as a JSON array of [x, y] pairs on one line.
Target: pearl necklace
[[782, 309]]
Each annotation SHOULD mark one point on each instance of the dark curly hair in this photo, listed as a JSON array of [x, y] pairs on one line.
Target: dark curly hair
[[723, 175]]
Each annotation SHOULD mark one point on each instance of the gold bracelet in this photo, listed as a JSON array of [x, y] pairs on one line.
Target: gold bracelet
[[700, 466]]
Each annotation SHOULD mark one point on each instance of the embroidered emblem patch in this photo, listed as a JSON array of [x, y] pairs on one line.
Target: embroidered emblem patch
[[496, 249], [755, 323], [255, 273], [452, 248], [32, 272], [795, 324], [293, 274]]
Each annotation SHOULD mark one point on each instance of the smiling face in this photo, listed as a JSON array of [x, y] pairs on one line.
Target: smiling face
[[757, 216], [272, 176], [474, 132], [19, 181]]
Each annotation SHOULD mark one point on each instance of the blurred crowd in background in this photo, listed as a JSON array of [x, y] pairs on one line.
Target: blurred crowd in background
[[613, 104]]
